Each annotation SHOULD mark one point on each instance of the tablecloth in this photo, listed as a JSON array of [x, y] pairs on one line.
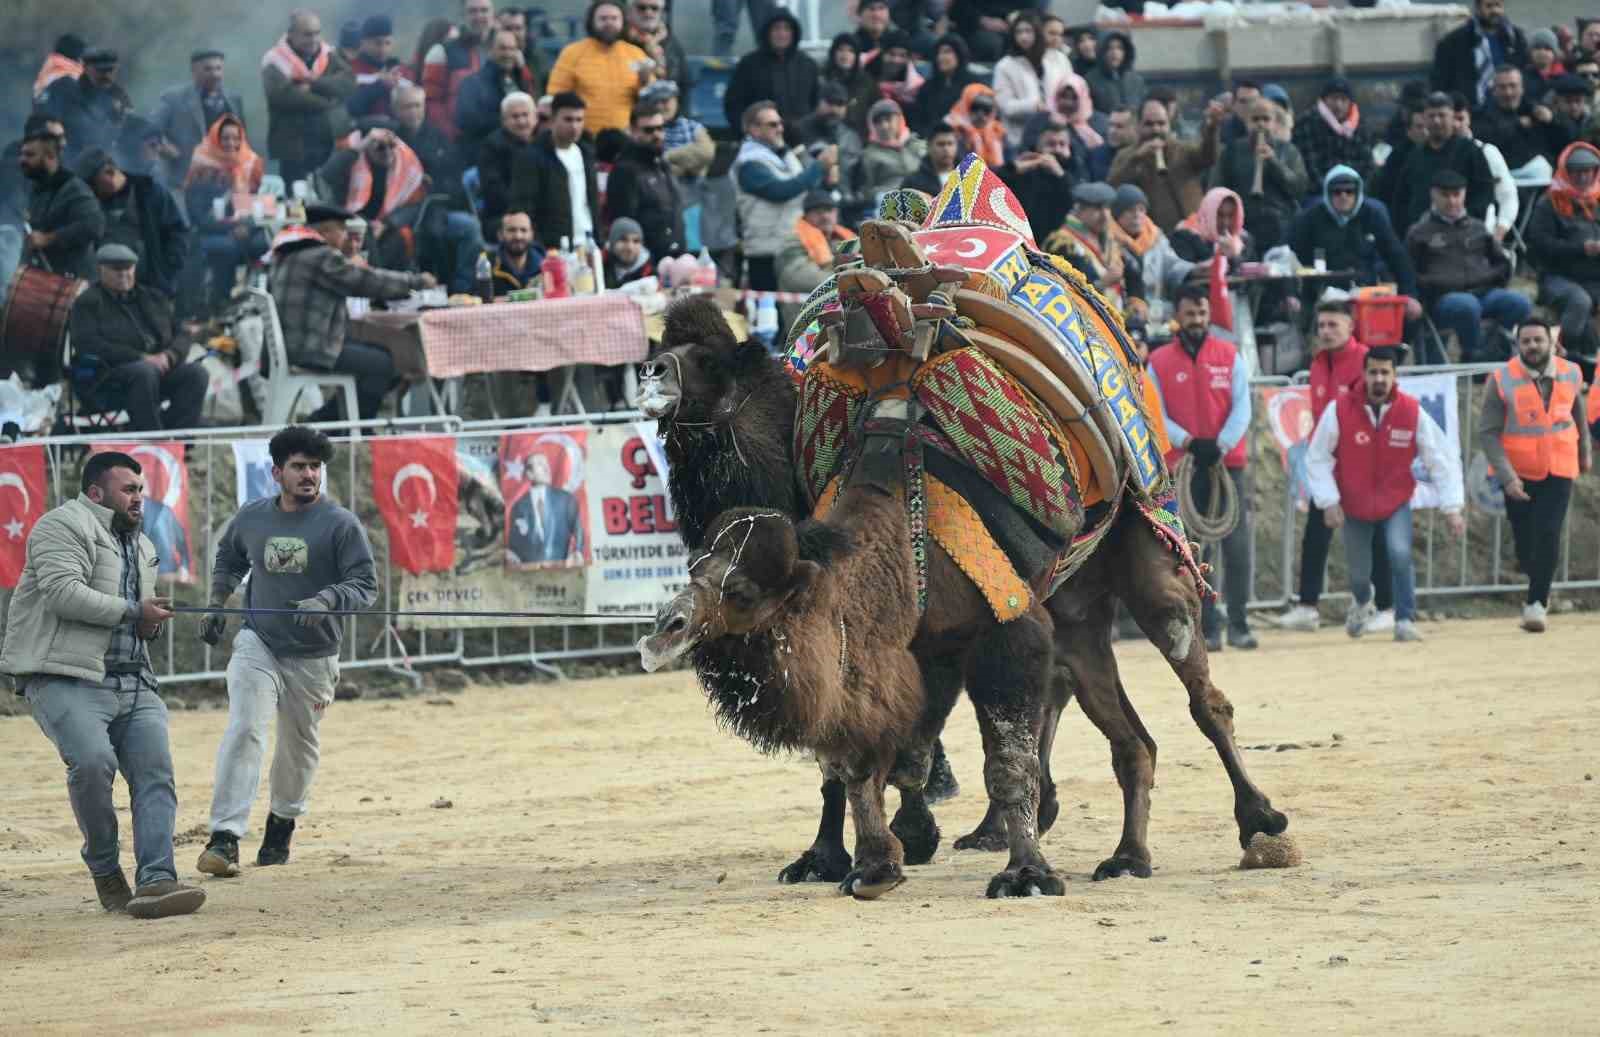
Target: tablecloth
[[533, 336]]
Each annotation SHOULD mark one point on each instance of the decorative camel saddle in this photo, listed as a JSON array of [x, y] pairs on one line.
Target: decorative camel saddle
[[1026, 422]]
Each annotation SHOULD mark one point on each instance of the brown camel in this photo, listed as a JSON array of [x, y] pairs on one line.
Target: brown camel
[[726, 409]]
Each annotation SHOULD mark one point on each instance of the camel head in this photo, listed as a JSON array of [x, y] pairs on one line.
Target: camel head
[[693, 377], [749, 572]]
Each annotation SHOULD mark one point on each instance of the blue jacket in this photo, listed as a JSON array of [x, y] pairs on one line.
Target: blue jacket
[[1364, 241]]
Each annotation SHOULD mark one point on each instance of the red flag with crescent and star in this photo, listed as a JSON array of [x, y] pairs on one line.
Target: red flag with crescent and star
[[22, 500], [414, 482], [166, 503]]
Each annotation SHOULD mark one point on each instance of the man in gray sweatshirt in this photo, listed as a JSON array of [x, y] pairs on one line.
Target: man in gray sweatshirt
[[303, 552]]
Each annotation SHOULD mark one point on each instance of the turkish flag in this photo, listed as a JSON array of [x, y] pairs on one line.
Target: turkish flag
[[166, 503], [22, 472], [414, 481], [1221, 301]]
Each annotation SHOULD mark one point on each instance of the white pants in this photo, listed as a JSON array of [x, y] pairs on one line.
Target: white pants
[[261, 684]]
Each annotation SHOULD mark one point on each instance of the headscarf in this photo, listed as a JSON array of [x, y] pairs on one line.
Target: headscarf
[[1203, 221], [1565, 197], [988, 143], [242, 171], [404, 186], [1078, 120]]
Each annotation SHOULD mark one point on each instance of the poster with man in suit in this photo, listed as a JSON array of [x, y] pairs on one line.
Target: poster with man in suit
[[547, 515]]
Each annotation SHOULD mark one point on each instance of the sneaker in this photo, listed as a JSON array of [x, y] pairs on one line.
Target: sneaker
[[1533, 615], [1404, 630], [113, 890], [1241, 638], [1213, 643], [1355, 621], [164, 899], [1380, 623], [275, 844], [220, 857], [1300, 617]]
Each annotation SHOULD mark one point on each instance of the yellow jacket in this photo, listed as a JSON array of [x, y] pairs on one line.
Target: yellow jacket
[[607, 79]]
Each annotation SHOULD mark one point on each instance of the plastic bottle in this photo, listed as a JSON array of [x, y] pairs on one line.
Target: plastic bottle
[[766, 325], [705, 270], [483, 278], [553, 272], [583, 272]]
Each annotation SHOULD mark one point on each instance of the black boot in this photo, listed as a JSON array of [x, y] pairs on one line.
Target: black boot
[[275, 844]]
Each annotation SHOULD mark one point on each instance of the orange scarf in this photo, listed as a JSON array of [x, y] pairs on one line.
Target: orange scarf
[[293, 233], [405, 186], [816, 243], [283, 58], [242, 171], [56, 66], [988, 143], [1567, 199], [1148, 238]]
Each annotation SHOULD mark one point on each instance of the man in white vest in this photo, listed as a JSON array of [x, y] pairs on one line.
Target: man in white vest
[[772, 182]]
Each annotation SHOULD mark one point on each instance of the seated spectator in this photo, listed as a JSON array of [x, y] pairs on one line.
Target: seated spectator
[[1042, 178], [1144, 246], [982, 23], [1462, 272], [940, 92], [777, 71], [1564, 244], [65, 61], [498, 154], [439, 157], [378, 72], [125, 355], [641, 187], [892, 153], [1353, 233], [224, 166], [515, 21], [355, 244], [937, 164], [188, 111], [349, 41], [605, 70], [1236, 124], [976, 118], [310, 280], [1507, 203], [1440, 150], [517, 259], [92, 106], [64, 219], [1574, 116], [1168, 171], [1026, 77], [1330, 134], [846, 68], [1587, 40], [555, 180], [1122, 129], [479, 108], [1070, 105], [1114, 81], [806, 258], [872, 25], [142, 215], [1466, 56], [648, 30], [1269, 174], [457, 54], [1083, 48], [1216, 226], [687, 146], [1515, 125], [1084, 239], [626, 258], [1544, 65], [772, 182], [893, 69], [1385, 185], [827, 126]]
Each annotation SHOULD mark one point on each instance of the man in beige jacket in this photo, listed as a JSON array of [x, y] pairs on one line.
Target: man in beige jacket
[[75, 644]]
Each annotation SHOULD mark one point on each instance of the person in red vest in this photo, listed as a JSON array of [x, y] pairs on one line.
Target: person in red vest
[[1336, 372], [1360, 471], [1205, 401], [1531, 430]]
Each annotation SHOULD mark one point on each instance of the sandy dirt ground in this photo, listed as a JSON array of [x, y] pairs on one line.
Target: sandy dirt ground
[[609, 865]]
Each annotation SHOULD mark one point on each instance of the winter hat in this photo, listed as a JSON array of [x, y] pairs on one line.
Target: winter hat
[[1128, 195], [1545, 38], [1278, 95], [621, 228]]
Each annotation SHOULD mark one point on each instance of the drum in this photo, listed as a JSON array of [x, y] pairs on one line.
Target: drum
[[33, 325]]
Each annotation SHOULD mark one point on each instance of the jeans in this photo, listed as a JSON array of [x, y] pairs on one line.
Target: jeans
[[223, 255], [762, 273], [1360, 543], [465, 238], [139, 389], [98, 731], [1462, 313], [1235, 554], [1536, 526], [373, 369], [261, 687], [1314, 563], [725, 20], [1574, 304]]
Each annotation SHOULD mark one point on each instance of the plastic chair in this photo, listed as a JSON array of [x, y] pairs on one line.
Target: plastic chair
[[284, 383]]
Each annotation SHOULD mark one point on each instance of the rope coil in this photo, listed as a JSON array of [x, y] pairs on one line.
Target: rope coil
[[1221, 517]]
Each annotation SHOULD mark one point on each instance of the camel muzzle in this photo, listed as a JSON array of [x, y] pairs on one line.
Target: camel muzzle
[[670, 639], [658, 390]]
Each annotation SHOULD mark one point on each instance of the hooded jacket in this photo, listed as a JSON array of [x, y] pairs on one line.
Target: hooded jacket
[[1557, 235], [787, 79], [858, 84], [1363, 241], [1113, 89], [939, 92]]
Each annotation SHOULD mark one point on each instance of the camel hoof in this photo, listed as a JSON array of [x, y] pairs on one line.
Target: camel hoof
[[942, 783], [872, 881], [1118, 866], [1258, 817], [1027, 881], [918, 834], [990, 839], [816, 866], [1049, 807]]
